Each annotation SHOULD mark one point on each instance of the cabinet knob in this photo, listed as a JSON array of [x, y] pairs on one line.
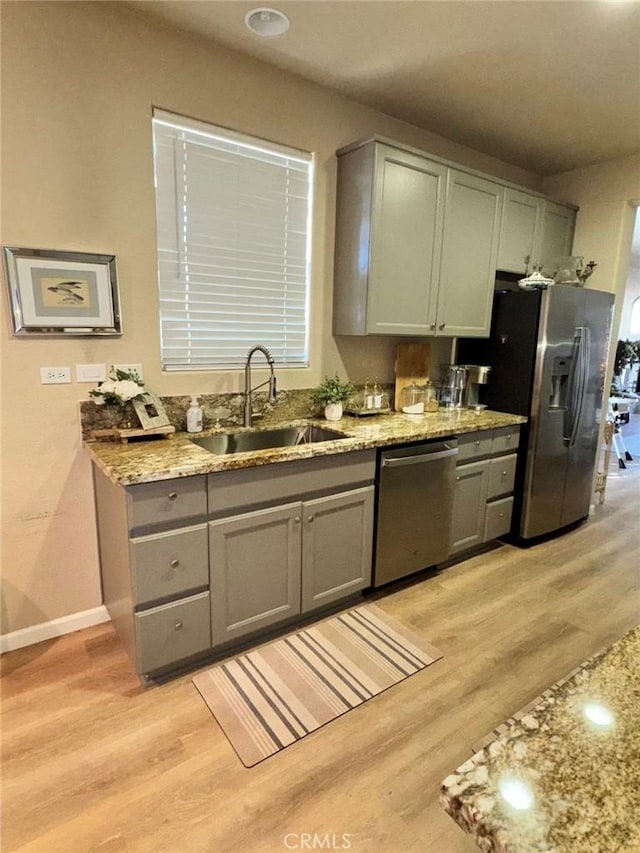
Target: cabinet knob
[[477, 444], [178, 625], [311, 517], [508, 436], [504, 474], [501, 515], [173, 496], [441, 326], [297, 519], [432, 327], [458, 479], [175, 564]]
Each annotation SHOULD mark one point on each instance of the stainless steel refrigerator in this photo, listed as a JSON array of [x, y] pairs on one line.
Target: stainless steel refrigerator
[[548, 353]]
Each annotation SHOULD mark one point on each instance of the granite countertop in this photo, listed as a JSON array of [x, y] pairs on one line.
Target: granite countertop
[[165, 459], [577, 751]]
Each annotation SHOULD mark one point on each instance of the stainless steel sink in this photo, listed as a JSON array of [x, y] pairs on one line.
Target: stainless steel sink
[[242, 442]]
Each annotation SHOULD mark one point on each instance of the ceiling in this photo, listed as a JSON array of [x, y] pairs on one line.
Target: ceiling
[[548, 85]]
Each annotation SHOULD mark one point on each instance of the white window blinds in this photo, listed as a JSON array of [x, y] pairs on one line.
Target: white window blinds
[[233, 223]]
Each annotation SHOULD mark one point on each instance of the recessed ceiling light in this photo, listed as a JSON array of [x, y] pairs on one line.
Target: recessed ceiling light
[[266, 22]]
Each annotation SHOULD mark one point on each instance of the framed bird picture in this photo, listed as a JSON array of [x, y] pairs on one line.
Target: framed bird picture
[[62, 293]]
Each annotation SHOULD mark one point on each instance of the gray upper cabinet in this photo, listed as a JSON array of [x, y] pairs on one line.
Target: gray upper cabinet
[[470, 250], [521, 231], [389, 226], [534, 232], [557, 234]]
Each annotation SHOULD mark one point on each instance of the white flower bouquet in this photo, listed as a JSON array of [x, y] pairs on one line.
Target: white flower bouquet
[[119, 388]]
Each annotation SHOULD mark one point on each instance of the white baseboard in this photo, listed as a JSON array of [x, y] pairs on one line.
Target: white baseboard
[[54, 628]]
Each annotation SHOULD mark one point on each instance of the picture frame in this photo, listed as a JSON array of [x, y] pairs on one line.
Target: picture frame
[[150, 411], [60, 293]]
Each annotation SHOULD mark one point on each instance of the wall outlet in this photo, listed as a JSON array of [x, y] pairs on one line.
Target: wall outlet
[[55, 375], [136, 367]]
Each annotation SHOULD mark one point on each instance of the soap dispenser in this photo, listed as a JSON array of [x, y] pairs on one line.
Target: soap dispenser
[[194, 416]]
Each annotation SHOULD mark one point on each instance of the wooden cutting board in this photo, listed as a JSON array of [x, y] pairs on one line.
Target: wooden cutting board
[[413, 363]]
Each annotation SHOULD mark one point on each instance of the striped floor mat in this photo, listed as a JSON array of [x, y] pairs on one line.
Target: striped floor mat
[[270, 697]]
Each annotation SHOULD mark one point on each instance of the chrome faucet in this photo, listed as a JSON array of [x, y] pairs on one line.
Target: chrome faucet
[[248, 390]]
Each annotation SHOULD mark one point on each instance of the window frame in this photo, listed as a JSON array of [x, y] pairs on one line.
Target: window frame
[[273, 151]]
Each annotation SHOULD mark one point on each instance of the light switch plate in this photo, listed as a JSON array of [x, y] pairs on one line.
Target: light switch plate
[[91, 372]]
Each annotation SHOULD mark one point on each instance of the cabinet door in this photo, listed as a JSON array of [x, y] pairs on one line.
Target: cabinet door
[[520, 231], [255, 570], [470, 253], [557, 235], [469, 505], [336, 546], [406, 240]]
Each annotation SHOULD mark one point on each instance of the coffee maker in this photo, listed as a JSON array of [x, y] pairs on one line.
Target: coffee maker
[[476, 376]]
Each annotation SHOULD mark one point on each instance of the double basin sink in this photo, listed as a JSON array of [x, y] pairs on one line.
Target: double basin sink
[[268, 439]]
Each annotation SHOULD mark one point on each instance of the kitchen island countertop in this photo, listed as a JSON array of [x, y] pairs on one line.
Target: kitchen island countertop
[[564, 775], [165, 459]]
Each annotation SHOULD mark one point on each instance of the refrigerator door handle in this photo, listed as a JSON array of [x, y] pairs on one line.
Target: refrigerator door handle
[[578, 382]]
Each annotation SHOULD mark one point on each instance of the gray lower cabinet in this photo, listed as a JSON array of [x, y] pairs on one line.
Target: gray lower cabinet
[[483, 498], [337, 542], [154, 560], [191, 564], [270, 564], [469, 506], [255, 570]]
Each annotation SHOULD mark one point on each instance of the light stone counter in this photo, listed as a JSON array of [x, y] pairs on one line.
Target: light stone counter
[[577, 751], [165, 459]]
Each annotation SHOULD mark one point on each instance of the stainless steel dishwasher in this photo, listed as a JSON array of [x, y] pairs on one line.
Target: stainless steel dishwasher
[[414, 508]]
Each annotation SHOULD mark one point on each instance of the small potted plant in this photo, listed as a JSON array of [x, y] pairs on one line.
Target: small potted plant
[[331, 394]]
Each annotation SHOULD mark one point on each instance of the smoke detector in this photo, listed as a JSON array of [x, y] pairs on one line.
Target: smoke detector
[[266, 22]]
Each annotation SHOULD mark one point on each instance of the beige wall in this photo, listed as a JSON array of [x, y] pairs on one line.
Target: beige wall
[[79, 81], [607, 194]]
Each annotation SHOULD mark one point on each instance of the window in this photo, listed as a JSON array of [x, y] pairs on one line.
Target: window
[[233, 222], [634, 325]]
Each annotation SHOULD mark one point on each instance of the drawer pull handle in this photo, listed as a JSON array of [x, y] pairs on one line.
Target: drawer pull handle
[[178, 625], [175, 564], [173, 496], [477, 444]]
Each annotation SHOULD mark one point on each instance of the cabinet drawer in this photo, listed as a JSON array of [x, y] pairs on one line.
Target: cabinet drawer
[[502, 475], [167, 501], [474, 445], [498, 518], [505, 440], [167, 634], [167, 564]]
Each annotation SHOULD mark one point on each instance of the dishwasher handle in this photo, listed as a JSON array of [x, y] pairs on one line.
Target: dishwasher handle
[[397, 461]]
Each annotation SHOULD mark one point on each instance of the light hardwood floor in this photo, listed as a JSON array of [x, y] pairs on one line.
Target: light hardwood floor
[[94, 762]]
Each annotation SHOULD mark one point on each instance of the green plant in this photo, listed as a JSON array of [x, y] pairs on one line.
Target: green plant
[[332, 391], [626, 353]]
